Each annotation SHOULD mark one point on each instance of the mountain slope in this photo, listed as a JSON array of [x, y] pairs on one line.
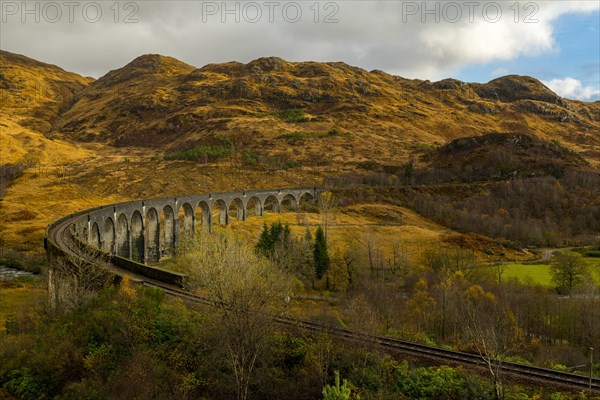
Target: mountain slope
[[35, 91], [33, 95], [160, 102], [500, 156]]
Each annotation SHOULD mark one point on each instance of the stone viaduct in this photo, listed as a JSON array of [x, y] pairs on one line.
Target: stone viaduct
[[146, 230]]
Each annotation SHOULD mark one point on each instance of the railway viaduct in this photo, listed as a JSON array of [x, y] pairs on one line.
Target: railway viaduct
[[146, 230]]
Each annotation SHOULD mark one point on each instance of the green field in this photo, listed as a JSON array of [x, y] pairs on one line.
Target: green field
[[534, 273], [540, 273]]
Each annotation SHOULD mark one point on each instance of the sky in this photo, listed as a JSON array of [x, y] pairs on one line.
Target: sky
[[556, 41]]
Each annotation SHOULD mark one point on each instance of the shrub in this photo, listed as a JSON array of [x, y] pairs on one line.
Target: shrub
[[292, 115], [200, 153], [249, 157], [24, 384]]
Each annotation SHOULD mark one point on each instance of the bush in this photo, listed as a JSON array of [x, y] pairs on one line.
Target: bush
[[292, 115], [438, 383], [24, 384], [560, 367], [200, 153], [249, 157], [335, 132]]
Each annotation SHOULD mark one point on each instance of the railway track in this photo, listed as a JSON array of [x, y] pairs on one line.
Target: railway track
[[57, 235]]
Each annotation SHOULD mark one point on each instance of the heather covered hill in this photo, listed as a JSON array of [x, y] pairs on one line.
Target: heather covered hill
[[32, 97], [498, 156], [35, 92], [70, 143], [305, 110]]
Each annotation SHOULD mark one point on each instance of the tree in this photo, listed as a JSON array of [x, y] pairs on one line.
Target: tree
[[420, 305], [352, 261], [303, 257], [274, 242], [492, 330], [320, 254], [398, 262], [264, 242], [281, 252], [247, 289], [337, 392], [74, 279], [374, 253], [327, 202], [568, 271]]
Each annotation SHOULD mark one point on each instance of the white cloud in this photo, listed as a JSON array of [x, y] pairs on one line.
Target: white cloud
[[401, 37], [573, 89], [499, 72]]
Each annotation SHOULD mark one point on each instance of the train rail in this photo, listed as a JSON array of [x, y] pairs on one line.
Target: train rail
[[57, 236]]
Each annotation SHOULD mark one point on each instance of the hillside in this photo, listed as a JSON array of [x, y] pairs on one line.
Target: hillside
[[70, 143], [36, 92], [33, 95], [314, 113], [498, 156]]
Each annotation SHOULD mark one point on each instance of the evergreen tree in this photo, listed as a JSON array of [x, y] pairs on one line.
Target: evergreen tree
[[337, 391], [282, 252], [263, 245], [275, 234], [275, 239], [320, 253]]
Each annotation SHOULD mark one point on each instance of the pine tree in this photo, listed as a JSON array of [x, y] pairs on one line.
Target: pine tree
[[320, 254], [275, 236], [263, 245], [275, 239], [337, 391]]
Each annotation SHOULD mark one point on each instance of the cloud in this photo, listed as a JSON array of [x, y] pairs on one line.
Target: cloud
[[427, 40], [573, 89], [499, 72]]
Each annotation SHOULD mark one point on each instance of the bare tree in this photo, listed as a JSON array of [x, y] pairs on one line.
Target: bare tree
[[352, 262], [327, 202], [398, 262], [248, 291], [491, 329], [74, 279], [373, 252]]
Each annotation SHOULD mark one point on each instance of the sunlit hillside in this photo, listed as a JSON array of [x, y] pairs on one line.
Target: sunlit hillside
[[159, 127], [314, 113]]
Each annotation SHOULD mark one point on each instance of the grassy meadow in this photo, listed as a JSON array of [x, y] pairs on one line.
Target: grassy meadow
[[541, 274]]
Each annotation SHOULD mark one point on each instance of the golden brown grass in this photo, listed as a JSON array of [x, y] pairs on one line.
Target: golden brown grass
[[16, 298]]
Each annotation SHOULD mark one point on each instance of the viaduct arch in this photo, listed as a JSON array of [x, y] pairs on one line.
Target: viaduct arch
[[147, 230]]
